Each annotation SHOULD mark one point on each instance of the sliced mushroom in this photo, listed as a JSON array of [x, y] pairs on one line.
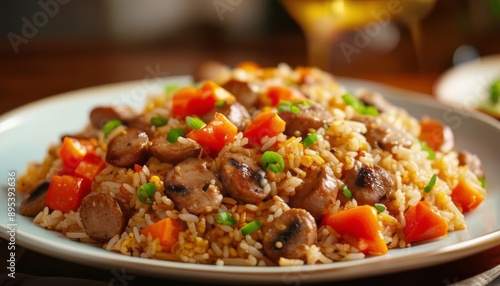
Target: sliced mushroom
[[242, 177], [174, 153], [128, 149], [35, 201], [192, 186], [290, 235], [102, 216], [383, 135], [368, 185], [318, 193], [310, 118]]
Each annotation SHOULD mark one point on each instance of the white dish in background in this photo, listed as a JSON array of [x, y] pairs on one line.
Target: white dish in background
[[27, 132], [467, 85]]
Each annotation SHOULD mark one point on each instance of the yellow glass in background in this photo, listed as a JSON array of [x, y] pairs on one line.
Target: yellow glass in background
[[323, 21]]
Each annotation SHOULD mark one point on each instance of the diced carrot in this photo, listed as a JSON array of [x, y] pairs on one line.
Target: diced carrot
[[422, 223], [191, 101], [465, 197], [437, 135], [215, 135], [266, 123], [249, 66], [275, 94], [66, 192], [359, 227], [166, 230]]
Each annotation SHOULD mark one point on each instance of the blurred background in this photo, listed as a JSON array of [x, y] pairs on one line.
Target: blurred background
[[52, 46]]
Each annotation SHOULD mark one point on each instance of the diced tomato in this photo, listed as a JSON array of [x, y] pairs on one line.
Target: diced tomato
[[89, 167], [266, 123], [275, 94], [166, 230], [465, 197], [359, 227], [66, 192], [422, 223], [71, 153], [191, 101], [215, 135]]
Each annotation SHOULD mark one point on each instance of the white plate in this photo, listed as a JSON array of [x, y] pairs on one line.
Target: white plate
[[467, 84], [26, 133]]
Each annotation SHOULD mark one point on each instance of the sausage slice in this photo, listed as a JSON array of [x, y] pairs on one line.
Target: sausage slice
[[128, 149], [192, 186], [290, 235], [368, 185], [102, 217], [309, 117], [383, 135], [318, 193], [173, 153], [241, 177]]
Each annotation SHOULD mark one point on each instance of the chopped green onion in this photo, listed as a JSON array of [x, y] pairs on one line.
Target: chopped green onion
[[220, 103], [483, 182], [145, 191], [273, 161], [495, 91], [110, 126], [195, 122], [159, 121], [429, 150], [225, 218], [310, 139], [287, 106], [431, 184], [379, 207], [250, 227], [359, 106], [171, 88], [347, 193], [174, 134], [370, 110]]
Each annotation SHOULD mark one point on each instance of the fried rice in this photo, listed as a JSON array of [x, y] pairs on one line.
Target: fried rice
[[341, 144]]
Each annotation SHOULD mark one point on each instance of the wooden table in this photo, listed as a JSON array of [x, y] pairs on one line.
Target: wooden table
[[44, 69]]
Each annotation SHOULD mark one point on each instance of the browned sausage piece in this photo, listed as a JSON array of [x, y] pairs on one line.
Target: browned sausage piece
[[102, 217], [472, 161], [376, 100], [309, 118], [35, 202], [235, 112], [290, 235], [102, 114], [173, 153], [368, 185], [383, 135], [242, 177], [128, 149], [318, 193], [242, 91], [192, 186]]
